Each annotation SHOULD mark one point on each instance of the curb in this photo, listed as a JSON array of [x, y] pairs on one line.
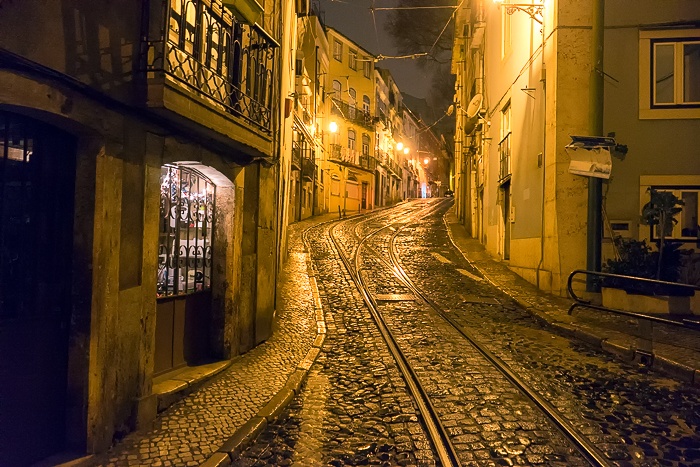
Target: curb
[[663, 365], [249, 431]]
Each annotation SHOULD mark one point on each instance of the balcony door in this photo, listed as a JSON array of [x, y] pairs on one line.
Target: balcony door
[[37, 189]]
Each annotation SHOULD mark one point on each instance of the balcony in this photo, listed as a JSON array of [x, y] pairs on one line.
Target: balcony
[[352, 114], [504, 166], [204, 64], [351, 157], [296, 157], [308, 168]]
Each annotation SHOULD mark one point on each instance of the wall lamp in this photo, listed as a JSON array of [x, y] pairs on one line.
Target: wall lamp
[[531, 9]]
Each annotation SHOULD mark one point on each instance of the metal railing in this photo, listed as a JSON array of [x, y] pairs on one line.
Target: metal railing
[[296, 157], [504, 167], [644, 346], [309, 168], [352, 114], [204, 48]]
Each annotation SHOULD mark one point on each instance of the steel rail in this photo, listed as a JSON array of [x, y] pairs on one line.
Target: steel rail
[[587, 449], [436, 431]]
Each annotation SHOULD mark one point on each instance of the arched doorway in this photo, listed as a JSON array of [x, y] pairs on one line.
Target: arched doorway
[[185, 245], [37, 192]]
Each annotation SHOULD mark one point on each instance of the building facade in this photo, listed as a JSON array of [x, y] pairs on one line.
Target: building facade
[[522, 91], [139, 218]]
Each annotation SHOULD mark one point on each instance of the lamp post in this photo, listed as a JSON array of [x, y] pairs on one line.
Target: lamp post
[[532, 9]]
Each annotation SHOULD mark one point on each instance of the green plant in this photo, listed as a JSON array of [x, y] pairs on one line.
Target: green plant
[[661, 211], [637, 260]]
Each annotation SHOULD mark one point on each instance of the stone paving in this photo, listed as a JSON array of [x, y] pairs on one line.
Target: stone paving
[[354, 408], [670, 342], [188, 432], [635, 416]]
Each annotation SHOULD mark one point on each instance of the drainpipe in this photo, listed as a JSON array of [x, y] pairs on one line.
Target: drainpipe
[[595, 128], [544, 165]]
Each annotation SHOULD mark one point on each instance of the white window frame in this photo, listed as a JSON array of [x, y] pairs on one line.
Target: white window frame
[[352, 59], [351, 139], [367, 69], [506, 32], [338, 50], [648, 41], [677, 184]]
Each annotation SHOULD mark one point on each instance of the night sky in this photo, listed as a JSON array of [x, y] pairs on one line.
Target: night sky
[[354, 19]]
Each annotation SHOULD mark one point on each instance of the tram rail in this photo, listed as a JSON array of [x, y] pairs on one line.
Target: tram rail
[[436, 431]]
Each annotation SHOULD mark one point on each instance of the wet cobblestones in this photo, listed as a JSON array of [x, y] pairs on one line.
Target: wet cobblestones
[[188, 432], [354, 408], [635, 417]]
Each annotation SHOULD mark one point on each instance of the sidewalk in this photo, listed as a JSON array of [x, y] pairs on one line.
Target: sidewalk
[[208, 425], [676, 350]]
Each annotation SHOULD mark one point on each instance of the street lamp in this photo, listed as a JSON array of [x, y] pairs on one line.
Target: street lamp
[[333, 127], [531, 9], [399, 146], [406, 150], [426, 160]]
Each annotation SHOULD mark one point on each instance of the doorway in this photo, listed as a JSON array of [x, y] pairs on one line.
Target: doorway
[[365, 187], [183, 310], [37, 191], [505, 215]]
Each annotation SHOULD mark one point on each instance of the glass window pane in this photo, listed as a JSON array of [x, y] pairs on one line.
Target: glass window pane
[[663, 73], [689, 215], [691, 73]]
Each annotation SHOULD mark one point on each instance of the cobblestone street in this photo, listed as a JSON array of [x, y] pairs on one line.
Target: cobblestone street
[[355, 408]]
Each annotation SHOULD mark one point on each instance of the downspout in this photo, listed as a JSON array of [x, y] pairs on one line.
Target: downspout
[[544, 165], [313, 179]]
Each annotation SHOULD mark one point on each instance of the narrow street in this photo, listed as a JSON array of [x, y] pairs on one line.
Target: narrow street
[[356, 409]]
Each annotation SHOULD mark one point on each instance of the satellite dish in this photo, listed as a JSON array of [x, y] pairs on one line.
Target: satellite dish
[[474, 106]]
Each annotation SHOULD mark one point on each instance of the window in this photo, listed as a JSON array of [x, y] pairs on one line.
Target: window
[[669, 74], [352, 59], [365, 104], [185, 240], [338, 50], [352, 103], [506, 32], [676, 70], [351, 139], [337, 90], [299, 67], [365, 144], [367, 68], [687, 227]]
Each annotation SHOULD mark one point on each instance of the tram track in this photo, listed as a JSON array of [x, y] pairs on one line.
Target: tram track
[[439, 436]]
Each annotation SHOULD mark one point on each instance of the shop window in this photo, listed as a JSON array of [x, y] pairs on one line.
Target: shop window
[[186, 231]]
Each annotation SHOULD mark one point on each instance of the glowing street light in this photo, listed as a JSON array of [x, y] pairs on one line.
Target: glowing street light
[[405, 150], [426, 160], [333, 127], [399, 146]]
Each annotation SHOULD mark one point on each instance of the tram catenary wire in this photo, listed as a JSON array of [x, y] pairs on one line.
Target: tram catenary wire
[[436, 431]]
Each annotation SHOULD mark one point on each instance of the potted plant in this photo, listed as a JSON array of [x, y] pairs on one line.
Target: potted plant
[[637, 259]]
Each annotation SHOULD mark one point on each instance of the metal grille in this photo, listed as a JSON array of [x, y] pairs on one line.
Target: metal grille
[[36, 207], [204, 47], [187, 201]]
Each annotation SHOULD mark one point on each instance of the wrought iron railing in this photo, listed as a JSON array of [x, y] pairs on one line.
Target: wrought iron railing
[[296, 157], [368, 162], [352, 113], [336, 153], [381, 156], [309, 168], [204, 48], [504, 167]]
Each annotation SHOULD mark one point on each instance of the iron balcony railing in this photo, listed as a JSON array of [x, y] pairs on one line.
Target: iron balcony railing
[[204, 48], [296, 157], [381, 156], [351, 157], [352, 113], [309, 168], [504, 167]]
